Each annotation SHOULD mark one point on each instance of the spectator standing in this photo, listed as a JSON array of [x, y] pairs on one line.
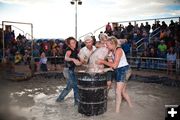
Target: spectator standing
[[130, 28], [43, 62], [147, 27], [36, 55], [108, 30], [171, 60], [163, 26], [162, 49], [144, 59], [53, 58], [172, 27]]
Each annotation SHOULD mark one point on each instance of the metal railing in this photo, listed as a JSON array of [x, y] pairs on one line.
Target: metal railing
[[153, 63], [12, 22], [139, 43], [18, 29], [159, 64], [152, 35]]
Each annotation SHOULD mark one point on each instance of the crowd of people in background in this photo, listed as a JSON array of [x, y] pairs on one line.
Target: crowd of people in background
[[157, 46], [159, 40], [165, 43]]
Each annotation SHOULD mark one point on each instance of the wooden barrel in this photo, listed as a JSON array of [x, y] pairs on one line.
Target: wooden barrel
[[92, 91]]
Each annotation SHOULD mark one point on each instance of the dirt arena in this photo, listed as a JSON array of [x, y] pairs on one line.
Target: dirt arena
[[34, 99]]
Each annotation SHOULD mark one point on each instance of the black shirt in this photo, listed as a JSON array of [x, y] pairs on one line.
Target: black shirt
[[74, 54]]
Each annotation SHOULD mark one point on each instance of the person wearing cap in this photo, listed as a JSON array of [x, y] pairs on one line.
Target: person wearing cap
[[87, 50]]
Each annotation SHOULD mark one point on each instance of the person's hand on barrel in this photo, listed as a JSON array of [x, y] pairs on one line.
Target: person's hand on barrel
[[76, 62]]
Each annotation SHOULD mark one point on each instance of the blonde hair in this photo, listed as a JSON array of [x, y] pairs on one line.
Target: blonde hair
[[113, 40], [102, 36]]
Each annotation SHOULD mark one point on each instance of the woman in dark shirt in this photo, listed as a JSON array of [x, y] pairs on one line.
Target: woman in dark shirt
[[71, 60]]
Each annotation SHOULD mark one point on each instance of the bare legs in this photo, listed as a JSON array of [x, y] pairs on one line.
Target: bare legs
[[121, 92], [119, 89], [126, 96]]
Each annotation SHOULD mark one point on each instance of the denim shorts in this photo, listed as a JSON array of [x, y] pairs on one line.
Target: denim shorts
[[122, 74]]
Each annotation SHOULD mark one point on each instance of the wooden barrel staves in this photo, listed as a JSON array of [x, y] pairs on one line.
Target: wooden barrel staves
[[92, 93]]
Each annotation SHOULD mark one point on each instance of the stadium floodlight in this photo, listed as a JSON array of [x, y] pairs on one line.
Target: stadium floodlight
[[76, 3]]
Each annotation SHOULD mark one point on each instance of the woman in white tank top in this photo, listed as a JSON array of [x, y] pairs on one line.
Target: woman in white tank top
[[121, 69]]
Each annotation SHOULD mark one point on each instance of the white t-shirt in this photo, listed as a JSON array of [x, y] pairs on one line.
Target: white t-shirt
[[123, 61], [85, 53]]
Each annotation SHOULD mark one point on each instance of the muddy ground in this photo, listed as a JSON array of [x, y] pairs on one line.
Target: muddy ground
[[34, 99]]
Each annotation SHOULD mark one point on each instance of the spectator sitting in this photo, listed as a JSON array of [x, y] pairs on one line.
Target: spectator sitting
[[18, 58], [152, 53], [26, 58]]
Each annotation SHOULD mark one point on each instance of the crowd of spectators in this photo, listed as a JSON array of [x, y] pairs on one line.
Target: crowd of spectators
[[159, 40], [19, 49], [166, 38]]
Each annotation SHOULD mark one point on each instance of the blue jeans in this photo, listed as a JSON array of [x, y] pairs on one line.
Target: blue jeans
[[71, 84]]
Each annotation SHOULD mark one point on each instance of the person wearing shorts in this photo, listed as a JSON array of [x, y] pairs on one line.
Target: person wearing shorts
[[121, 69]]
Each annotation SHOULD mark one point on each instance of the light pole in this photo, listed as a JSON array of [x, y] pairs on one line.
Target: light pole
[[76, 3]]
